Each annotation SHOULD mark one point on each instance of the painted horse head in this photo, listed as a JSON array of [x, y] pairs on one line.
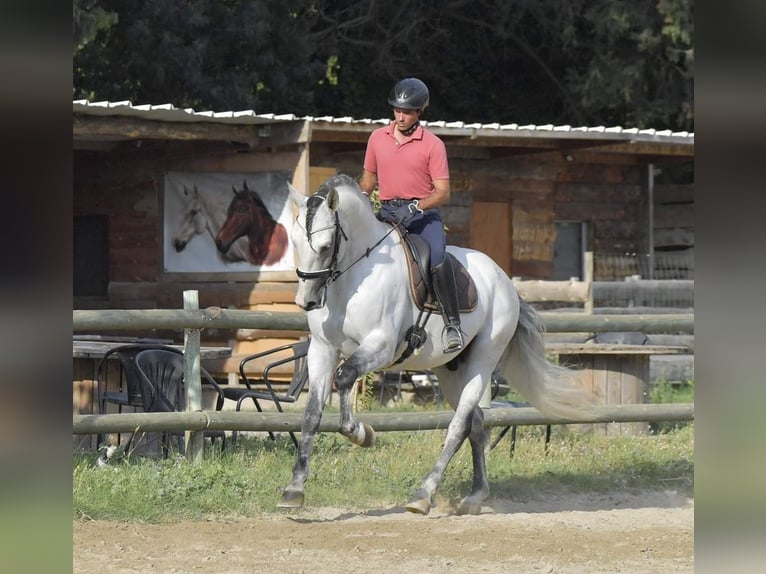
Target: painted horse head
[[247, 216], [194, 222]]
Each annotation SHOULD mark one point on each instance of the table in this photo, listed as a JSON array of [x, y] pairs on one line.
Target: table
[[616, 374], [87, 352]]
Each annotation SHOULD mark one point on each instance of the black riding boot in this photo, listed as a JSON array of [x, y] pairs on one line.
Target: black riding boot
[[443, 280]]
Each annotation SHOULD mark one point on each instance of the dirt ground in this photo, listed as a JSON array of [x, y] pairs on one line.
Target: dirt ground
[[652, 532]]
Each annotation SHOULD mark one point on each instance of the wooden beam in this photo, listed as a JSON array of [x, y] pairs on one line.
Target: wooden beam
[[291, 422], [94, 127], [217, 318]]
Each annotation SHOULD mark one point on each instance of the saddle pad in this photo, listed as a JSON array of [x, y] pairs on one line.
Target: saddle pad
[[420, 285]]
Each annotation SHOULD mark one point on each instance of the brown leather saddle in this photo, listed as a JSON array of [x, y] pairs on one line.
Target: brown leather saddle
[[418, 262]]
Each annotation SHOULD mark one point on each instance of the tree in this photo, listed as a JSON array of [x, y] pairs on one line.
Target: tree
[[582, 62], [223, 55], [88, 18]]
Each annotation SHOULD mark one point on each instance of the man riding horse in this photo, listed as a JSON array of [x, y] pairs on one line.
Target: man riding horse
[[409, 164]]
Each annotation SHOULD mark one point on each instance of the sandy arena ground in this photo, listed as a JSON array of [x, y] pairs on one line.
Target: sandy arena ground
[[651, 532]]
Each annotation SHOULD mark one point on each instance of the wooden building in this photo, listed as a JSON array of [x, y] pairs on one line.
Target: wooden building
[[533, 197]]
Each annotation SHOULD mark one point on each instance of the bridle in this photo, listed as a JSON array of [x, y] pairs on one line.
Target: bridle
[[331, 273]]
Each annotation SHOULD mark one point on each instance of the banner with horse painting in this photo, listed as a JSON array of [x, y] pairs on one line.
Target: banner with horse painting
[[228, 222]]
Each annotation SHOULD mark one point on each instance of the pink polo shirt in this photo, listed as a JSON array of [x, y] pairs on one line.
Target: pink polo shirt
[[406, 170]]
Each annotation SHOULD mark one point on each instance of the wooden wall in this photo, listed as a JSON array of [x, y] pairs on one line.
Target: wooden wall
[[506, 205]]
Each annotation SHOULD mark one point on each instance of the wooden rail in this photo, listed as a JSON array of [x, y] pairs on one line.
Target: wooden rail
[[284, 422], [216, 318]]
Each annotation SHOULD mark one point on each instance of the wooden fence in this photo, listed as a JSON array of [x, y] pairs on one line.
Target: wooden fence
[[216, 318], [194, 421], [291, 422]]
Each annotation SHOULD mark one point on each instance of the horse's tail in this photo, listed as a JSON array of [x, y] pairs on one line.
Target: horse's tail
[[550, 388]]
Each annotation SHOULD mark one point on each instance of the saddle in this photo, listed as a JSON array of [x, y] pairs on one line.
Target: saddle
[[419, 265]]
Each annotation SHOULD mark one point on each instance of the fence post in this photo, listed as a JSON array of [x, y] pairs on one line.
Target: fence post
[[194, 440]]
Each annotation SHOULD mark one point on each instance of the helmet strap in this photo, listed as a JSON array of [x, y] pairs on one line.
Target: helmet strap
[[410, 130]]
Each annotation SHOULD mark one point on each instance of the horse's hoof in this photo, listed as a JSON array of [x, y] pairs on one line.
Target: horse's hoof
[[369, 436], [421, 506], [468, 506], [291, 499], [420, 503]]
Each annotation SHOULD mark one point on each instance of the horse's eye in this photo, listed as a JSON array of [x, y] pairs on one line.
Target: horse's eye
[[194, 211], [241, 210]]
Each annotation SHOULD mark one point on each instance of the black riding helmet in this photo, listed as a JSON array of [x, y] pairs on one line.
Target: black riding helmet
[[409, 94]]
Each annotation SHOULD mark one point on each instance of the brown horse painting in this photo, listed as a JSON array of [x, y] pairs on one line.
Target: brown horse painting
[[247, 215]]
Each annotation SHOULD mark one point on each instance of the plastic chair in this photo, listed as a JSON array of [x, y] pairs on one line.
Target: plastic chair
[[163, 388], [129, 393], [298, 381]]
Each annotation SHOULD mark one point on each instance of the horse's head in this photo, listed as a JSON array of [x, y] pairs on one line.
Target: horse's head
[[246, 215], [316, 237], [194, 222]]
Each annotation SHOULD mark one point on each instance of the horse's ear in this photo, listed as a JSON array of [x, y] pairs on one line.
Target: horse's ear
[[244, 184], [297, 197], [332, 199], [186, 190], [234, 190]]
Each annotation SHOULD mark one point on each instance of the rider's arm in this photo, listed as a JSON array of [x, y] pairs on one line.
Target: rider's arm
[[368, 181], [439, 196]]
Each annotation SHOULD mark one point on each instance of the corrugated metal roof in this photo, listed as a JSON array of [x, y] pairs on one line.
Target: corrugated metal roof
[[168, 112]]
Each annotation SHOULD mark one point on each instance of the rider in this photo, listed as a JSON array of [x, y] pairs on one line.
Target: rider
[[409, 164]]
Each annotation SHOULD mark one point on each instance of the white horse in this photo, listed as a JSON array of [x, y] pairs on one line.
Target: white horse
[[202, 214], [353, 283]]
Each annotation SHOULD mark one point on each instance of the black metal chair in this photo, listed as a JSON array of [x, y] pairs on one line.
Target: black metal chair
[[128, 392], [296, 352], [163, 388]]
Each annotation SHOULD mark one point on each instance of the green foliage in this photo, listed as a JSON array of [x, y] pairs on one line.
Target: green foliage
[[248, 479], [203, 54], [88, 19], [592, 62], [665, 392]]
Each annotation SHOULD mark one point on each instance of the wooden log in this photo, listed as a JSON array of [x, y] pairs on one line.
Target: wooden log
[[572, 291], [575, 322], [213, 318], [284, 422], [644, 292]]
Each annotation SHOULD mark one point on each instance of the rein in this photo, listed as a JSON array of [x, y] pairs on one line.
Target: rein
[[331, 273]]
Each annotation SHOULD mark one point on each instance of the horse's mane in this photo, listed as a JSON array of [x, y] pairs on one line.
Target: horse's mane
[[345, 185]]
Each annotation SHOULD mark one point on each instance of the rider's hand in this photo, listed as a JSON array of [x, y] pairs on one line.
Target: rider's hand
[[405, 212]]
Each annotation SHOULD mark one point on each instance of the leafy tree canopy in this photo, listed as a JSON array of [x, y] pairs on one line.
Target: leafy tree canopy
[[581, 62]]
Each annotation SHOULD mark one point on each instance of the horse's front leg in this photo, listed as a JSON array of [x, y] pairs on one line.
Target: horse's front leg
[[359, 433], [319, 390]]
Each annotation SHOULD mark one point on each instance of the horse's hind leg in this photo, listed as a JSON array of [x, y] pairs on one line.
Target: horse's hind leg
[[457, 432], [471, 504]]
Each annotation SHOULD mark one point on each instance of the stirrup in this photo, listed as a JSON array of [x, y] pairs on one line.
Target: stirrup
[[452, 339]]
